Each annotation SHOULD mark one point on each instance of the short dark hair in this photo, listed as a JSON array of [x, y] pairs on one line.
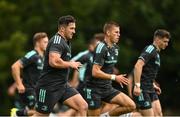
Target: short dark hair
[[161, 33], [38, 36], [109, 25], [65, 20]]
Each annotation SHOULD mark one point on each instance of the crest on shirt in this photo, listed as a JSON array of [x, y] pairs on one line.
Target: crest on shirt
[[108, 54], [69, 54], [116, 52]]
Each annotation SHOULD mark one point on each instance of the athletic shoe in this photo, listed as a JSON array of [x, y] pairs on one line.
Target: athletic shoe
[[13, 112]]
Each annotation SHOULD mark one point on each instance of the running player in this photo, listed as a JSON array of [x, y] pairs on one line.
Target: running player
[[145, 71], [52, 85], [31, 65], [99, 86], [80, 76]]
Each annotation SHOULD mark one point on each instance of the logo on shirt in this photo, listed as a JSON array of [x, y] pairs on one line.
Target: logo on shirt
[[108, 54], [39, 64], [91, 59], [157, 62], [116, 52], [69, 54], [44, 108]]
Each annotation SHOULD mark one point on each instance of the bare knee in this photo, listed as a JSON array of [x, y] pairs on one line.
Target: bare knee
[[83, 106], [157, 108], [132, 106]]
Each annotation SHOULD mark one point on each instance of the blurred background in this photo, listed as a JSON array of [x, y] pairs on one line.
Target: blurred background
[[20, 19]]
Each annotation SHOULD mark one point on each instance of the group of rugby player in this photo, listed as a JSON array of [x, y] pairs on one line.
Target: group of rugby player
[[45, 72]]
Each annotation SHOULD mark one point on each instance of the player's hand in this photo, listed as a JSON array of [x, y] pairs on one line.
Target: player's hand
[[137, 91], [21, 88], [158, 90], [121, 79], [11, 91], [75, 65]]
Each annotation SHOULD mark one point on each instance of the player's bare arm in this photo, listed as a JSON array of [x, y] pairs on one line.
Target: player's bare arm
[[56, 62], [98, 73], [137, 76], [16, 73]]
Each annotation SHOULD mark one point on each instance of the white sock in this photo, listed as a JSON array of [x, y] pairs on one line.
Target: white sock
[[126, 115], [105, 114]]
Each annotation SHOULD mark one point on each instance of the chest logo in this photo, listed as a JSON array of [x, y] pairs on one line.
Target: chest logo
[[116, 52], [108, 54]]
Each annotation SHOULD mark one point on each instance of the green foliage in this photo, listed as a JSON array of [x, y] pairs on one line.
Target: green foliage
[[9, 51]]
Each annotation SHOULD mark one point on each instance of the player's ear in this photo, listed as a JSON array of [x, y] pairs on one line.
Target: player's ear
[[61, 28], [108, 32]]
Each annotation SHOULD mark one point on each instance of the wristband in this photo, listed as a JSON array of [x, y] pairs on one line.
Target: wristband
[[137, 84], [113, 77]]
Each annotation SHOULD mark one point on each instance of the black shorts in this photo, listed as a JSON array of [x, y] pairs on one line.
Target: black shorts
[[46, 98], [28, 97], [95, 96], [144, 101], [81, 87]]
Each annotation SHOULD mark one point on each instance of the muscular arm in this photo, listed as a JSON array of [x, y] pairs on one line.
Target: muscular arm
[[137, 76], [56, 61], [12, 89], [98, 73], [16, 71], [157, 87], [138, 70], [130, 86]]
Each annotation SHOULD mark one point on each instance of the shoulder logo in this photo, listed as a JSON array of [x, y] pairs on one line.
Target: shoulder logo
[[69, 54], [57, 39], [149, 49], [99, 47], [29, 54]]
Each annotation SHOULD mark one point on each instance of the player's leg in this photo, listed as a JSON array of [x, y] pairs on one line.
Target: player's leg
[[157, 108], [136, 114], [94, 112], [37, 114], [94, 101], [147, 112], [77, 103], [46, 100], [144, 103], [29, 99], [106, 107], [31, 102], [72, 112], [125, 103], [74, 100], [69, 112]]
